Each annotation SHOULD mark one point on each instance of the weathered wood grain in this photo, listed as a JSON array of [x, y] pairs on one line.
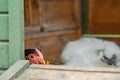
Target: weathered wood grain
[[56, 33], [34, 12], [52, 72], [104, 16], [52, 9], [60, 23], [27, 13], [77, 12]]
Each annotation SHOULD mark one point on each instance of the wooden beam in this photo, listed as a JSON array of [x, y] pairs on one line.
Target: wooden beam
[[15, 70], [16, 31]]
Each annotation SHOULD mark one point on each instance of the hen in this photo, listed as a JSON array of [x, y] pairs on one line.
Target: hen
[[91, 52], [34, 56]]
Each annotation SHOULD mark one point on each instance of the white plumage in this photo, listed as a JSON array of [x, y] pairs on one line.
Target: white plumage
[[89, 52]]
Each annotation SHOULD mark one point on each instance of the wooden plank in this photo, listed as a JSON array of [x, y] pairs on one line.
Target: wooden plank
[[52, 15], [15, 70], [4, 27], [46, 34], [4, 52], [16, 31], [55, 17], [77, 12], [59, 23], [35, 12], [52, 72], [31, 12], [51, 9], [113, 29], [72, 68], [32, 29], [3, 5], [27, 12], [104, 16]]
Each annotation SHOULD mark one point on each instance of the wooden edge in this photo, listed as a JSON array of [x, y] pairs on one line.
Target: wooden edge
[[102, 35], [15, 70], [1, 71], [77, 69]]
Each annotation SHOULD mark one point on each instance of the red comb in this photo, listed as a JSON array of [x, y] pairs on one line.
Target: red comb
[[39, 53]]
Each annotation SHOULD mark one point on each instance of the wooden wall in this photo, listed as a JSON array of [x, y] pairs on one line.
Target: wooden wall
[[101, 17], [104, 16], [50, 24]]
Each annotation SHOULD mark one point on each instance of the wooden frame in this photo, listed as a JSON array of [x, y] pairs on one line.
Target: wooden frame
[[16, 31], [15, 70]]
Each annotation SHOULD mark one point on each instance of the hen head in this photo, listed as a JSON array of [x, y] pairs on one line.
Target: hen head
[[35, 56]]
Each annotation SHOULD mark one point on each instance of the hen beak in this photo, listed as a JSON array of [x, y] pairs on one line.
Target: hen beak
[[41, 60]]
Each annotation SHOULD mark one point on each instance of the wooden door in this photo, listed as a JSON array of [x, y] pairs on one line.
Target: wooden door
[[11, 32]]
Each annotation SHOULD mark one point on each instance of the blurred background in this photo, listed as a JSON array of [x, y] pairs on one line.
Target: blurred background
[[50, 24]]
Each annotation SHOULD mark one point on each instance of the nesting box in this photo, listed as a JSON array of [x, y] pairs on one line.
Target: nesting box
[[24, 71], [50, 24]]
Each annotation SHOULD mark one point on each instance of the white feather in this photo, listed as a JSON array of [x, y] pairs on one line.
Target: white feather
[[85, 52]]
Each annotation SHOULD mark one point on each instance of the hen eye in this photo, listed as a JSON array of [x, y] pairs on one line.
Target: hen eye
[[31, 56]]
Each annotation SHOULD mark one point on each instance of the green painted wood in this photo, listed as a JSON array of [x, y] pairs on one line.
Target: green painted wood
[[3, 5], [4, 54], [15, 70], [4, 27], [16, 31], [1, 72], [103, 35]]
